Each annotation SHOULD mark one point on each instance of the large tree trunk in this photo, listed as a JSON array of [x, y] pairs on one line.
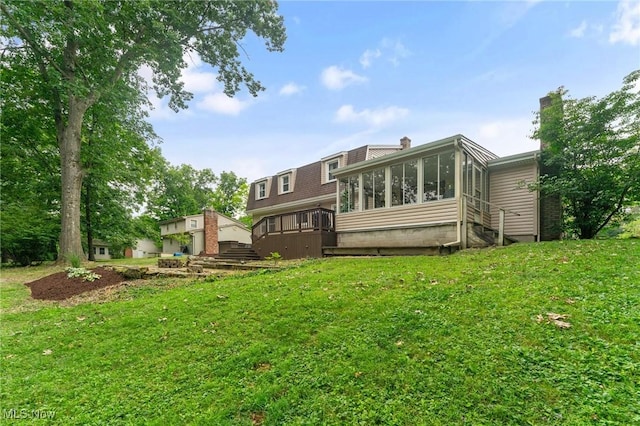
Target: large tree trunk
[[69, 140]]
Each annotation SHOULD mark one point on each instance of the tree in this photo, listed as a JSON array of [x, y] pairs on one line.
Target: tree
[[30, 184], [180, 191], [79, 51], [230, 195], [593, 147], [118, 164]]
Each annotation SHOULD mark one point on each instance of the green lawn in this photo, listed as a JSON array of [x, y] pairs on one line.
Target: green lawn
[[462, 339]]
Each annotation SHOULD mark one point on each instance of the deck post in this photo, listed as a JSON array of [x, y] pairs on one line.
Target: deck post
[[501, 228]]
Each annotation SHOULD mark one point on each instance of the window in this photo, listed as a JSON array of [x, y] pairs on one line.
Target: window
[[261, 190], [271, 224], [95, 250], [102, 250], [447, 174], [404, 183], [439, 176], [285, 183], [373, 188], [349, 194], [331, 166], [194, 223]]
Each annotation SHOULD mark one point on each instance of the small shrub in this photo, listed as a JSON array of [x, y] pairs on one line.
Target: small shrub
[[74, 260], [275, 256], [83, 273]]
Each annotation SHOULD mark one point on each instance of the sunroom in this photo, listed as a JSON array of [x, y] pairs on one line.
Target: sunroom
[[432, 195]]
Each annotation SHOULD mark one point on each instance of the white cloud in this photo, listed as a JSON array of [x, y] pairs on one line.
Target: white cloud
[[291, 89], [396, 50], [390, 49], [195, 79], [627, 26], [578, 32], [506, 136], [222, 104], [368, 56], [336, 78], [376, 117]]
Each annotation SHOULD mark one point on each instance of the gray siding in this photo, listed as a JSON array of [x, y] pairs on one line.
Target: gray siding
[[399, 216], [508, 190]]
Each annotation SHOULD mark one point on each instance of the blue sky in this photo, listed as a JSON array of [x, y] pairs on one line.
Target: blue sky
[[357, 73]]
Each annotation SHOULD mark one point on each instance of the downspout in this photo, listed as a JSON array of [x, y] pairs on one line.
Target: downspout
[[537, 158]]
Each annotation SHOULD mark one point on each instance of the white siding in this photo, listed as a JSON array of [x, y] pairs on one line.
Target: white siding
[[399, 216], [508, 190], [230, 230]]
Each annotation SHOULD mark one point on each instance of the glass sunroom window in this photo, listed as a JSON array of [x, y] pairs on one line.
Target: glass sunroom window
[[404, 183], [439, 176], [447, 174], [373, 188], [349, 194]]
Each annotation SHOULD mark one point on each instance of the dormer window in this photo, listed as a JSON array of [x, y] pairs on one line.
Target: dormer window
[[261, 190], [285, 183], [330, 165]]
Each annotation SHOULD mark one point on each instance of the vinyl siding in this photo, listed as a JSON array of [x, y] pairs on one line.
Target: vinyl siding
[[508, 190], [399, 216]]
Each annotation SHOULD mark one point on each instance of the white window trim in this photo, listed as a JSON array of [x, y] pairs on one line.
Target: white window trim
[[340, 158], [266, 182], [281, 183], [291, 173]]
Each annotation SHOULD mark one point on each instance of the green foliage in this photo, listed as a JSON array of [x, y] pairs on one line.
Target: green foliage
[[594, 153], [180, 191], [230, 194], [275, 256], [28, 233], [145, 226], [461, 339], [631, 225], [75, 261], [71, 59], [85, 274], [183, 238]]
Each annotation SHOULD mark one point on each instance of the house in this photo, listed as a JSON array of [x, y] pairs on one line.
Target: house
[[143, 248], [209, 233], [101, 250], [451, 193]]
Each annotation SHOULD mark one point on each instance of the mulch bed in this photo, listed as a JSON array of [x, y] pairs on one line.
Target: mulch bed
[[59, 287]]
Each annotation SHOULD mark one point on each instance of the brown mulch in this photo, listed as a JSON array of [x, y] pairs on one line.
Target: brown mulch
[[59, 287]]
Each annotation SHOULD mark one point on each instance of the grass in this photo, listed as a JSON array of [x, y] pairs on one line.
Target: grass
[[462, 339]]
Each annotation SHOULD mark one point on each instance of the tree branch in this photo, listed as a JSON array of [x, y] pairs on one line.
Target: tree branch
[[29, 39]]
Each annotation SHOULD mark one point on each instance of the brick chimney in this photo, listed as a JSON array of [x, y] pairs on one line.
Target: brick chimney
[[550, 204], [211, 247], [405, 143]]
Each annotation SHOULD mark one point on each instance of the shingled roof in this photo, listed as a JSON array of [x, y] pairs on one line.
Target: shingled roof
[[307, 184]]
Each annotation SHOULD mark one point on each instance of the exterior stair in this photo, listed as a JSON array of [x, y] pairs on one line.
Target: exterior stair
[[239, 253]]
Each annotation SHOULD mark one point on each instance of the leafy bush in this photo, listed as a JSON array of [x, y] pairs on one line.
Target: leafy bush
[[83, 273], [28, 235], [275, 256]]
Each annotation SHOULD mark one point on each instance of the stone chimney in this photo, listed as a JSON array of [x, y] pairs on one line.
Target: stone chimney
[[550, 204], [405, 143], [211, 247]]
